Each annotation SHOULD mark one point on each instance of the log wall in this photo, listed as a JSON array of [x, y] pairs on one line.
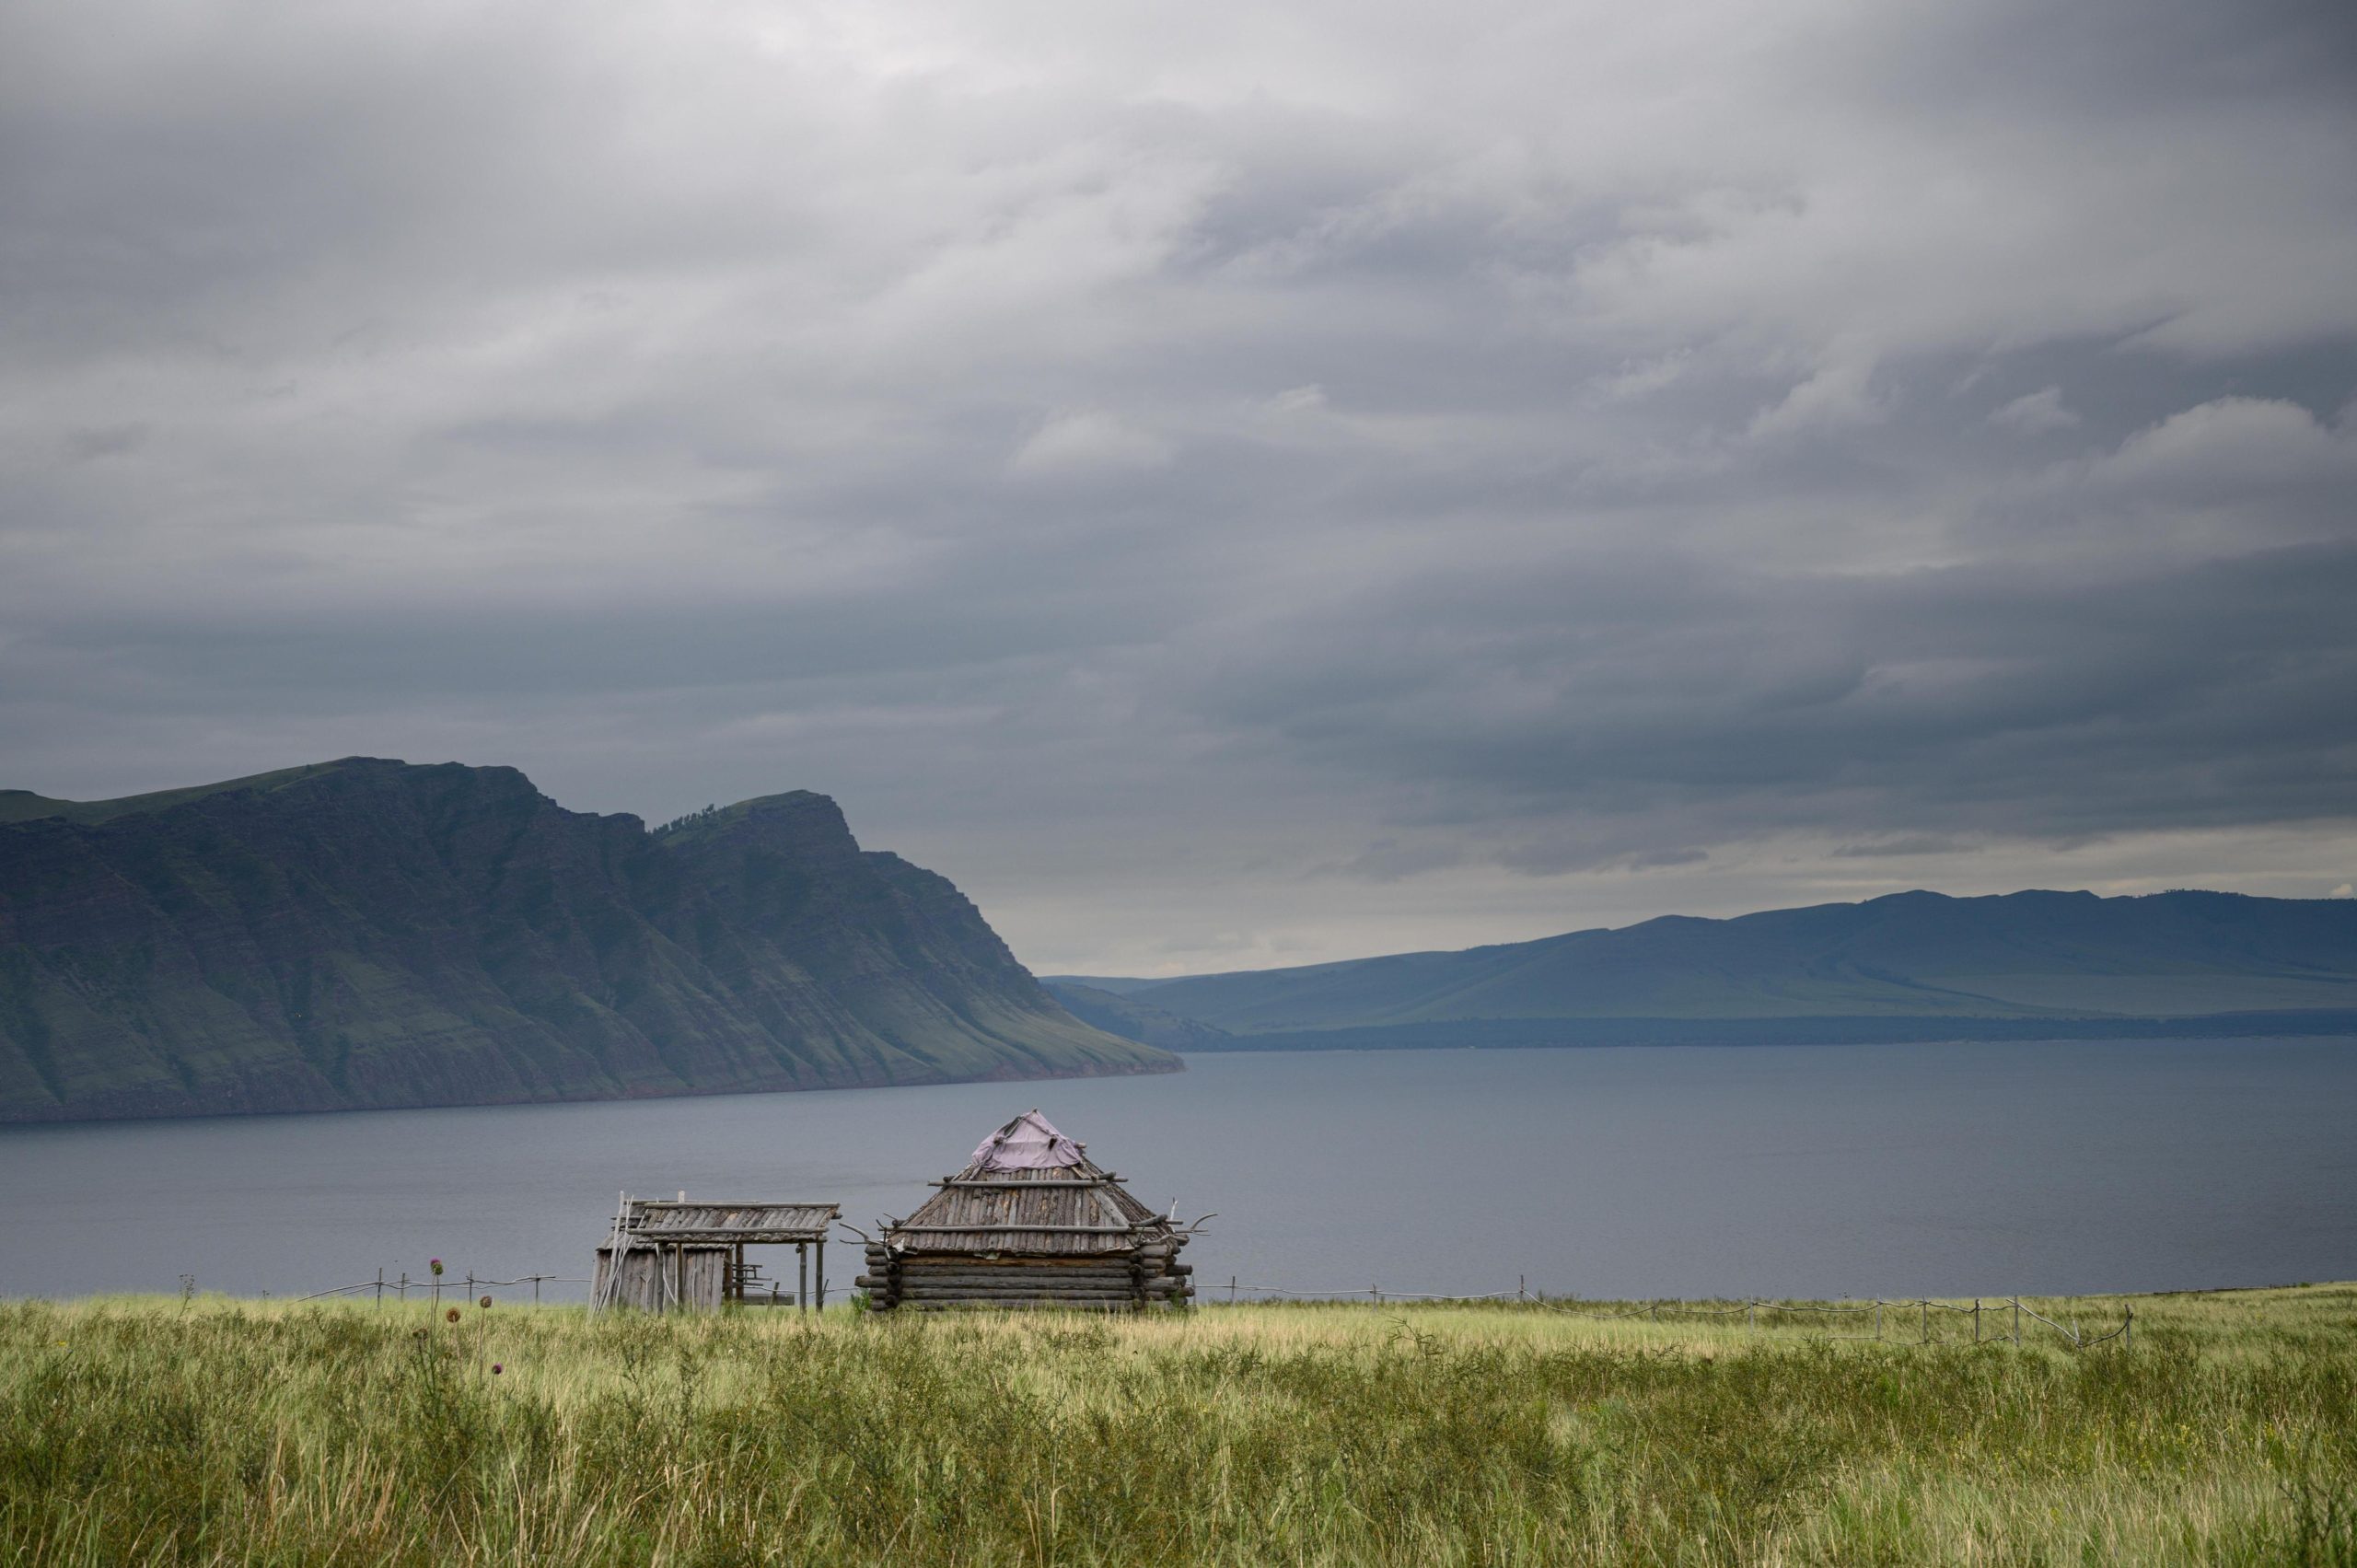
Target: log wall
[[1127, 1282]]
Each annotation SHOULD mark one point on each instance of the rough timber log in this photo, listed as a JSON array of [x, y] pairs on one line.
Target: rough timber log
[[1013, 1271], [1024, 1276], [1008, 1287], [1011, 1258], [983, 1261], [987, 1288], [1065, 1303]]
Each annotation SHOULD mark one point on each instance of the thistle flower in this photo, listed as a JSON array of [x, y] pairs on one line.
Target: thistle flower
[[484, 1304], [452, 1315], [435, 1264], [497, 1369]]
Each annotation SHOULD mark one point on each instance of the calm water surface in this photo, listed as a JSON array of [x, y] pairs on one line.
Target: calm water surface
[[1692, 1171]]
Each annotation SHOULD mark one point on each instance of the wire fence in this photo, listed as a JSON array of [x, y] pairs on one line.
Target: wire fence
[[1889, 1317], [1889, 1325], [400, 1288]]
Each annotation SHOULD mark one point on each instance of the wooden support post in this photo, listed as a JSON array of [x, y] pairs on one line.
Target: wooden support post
[[1751, 1316], [2128, 1331], [737, 1294], [1877, 1318], [380, 1289], [1976, 1319], [802, 1280], [1926, 1304], [819, 1266], [2017, 1319], [679, 1272]]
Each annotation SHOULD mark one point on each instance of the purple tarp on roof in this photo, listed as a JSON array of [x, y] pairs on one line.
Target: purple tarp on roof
[[1027, 1142]]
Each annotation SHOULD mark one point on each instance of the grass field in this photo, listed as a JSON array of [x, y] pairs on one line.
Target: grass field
[[152, 1431]]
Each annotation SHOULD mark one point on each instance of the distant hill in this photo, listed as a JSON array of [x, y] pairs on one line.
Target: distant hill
[[1133, 1018], [370, 933], [1923, 964]]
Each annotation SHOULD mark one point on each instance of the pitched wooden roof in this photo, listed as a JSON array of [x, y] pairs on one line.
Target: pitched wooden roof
[[1030, 1189]]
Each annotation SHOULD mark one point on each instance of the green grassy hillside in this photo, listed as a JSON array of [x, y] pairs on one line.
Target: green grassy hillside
[[144, 1432], [371, 934], [24, 805], [1135, 1018], [1911, 956]]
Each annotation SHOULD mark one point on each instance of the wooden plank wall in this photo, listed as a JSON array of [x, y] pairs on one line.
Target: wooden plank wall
[[665, 1279]]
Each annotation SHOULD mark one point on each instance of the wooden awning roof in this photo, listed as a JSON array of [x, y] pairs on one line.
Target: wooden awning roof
[[755, 1224]]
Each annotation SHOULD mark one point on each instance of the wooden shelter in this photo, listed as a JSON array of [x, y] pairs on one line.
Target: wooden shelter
[[1030, 1222], [674, 1257]]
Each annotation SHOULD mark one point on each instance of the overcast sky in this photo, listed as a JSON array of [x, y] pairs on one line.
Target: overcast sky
[[1229, 485]]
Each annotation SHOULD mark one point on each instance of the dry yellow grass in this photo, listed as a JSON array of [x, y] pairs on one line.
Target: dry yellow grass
[[137, 1429]]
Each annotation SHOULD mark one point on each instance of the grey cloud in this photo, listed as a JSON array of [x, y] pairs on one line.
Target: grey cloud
[[101, 441], [1980, 696], [1213, 491], [2036, 413]]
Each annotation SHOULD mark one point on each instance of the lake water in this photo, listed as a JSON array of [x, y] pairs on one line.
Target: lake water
[[1810, 1171]]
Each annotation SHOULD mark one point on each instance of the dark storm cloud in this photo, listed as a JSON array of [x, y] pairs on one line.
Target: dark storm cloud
[[1978, 697], [1352, 477]]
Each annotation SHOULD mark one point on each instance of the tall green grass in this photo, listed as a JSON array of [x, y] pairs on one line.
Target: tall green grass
[[143, 1431]]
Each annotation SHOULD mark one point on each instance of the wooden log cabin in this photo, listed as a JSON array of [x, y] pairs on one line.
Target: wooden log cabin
[[1030, 1222]]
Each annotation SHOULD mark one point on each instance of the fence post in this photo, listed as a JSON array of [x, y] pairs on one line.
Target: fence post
[[1976, 1319], [1926, 1304], [2017, 1319], [2128, 1331], [404, 1284], [1377, 1292], [381, 1287], [1231, 1290], [1877, 1318], [536, 1290], [1751, 1316], [1520, 1281]]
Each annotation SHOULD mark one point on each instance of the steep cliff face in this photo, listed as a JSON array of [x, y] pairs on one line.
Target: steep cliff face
[[372, 934]]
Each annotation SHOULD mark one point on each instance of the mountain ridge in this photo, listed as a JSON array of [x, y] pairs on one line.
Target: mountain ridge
[[1917, 954], [367, 934]]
